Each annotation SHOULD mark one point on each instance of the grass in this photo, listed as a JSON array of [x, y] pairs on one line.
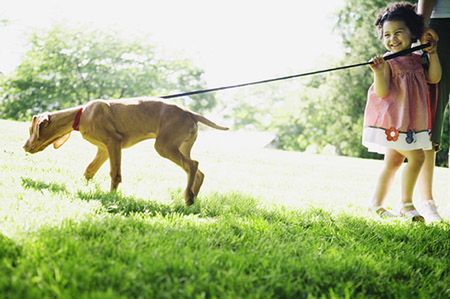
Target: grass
[[267, 224]]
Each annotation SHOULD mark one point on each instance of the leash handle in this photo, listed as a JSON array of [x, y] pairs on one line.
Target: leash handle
[[387, 57], [407, 51]]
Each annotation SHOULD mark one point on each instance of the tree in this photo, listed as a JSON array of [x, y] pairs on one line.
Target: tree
[[67, 67]]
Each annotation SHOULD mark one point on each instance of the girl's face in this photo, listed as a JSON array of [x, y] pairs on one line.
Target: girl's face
[[396, 36]]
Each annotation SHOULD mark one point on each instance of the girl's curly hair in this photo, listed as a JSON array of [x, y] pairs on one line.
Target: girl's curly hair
[[401, 11]]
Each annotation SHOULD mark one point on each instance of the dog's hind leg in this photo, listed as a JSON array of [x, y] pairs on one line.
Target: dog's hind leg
[[94, 166], [172, 152], [185, 149], [199, 176]]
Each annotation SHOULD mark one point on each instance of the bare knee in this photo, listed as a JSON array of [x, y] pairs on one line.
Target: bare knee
[[415, 158], [395, 164], [393, 161]]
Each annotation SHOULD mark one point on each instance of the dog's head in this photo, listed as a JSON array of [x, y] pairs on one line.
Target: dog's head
[[43, 133]]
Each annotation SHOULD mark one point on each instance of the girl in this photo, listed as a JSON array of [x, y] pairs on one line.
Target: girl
[[397, 118]]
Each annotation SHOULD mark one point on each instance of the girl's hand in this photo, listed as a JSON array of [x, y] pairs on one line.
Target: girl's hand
[[430, 36], [377, 64]]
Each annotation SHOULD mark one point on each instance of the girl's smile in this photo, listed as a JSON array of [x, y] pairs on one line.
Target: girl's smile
[[396, 36]]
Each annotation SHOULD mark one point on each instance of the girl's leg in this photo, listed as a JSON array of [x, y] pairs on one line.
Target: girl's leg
[[392, 162], [410, 174]]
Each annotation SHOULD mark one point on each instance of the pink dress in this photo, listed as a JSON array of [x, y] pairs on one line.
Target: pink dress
[[402, 119]]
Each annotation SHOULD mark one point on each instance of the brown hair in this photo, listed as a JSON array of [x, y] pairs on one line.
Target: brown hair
[[401, 11]]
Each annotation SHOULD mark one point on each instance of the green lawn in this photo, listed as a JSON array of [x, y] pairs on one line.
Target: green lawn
[[267, 224]]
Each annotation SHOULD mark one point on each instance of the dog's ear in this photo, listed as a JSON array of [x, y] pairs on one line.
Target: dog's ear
[[60, 141], [34, 128], [44, 119], [42, 122], [37, 123]]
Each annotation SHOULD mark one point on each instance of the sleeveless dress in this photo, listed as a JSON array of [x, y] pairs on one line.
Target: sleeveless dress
[[402, 119]]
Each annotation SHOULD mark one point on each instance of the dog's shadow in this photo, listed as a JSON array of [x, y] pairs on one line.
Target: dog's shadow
[[212, 205], [117, 203]]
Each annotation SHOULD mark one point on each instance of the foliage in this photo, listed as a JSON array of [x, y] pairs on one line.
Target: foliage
[[258, 107], [66, 67], [335, 101]]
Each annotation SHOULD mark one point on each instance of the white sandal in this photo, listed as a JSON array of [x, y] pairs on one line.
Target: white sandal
[[383, 213], [411, 214]]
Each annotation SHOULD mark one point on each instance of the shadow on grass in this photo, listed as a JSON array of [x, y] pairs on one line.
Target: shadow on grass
[[225, 245], [10, 253], [241, 206], [117, 203], [211, 206], [8, 249], [28, 183]]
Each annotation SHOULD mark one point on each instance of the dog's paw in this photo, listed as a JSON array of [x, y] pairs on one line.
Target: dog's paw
[[189, 198]]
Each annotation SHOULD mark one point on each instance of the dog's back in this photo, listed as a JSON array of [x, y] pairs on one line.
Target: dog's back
[[137, 119]]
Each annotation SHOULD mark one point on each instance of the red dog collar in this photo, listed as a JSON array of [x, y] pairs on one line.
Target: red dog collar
[[76, 121]]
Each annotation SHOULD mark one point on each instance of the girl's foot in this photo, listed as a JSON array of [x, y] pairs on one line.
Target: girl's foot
[[410, 212], [383, 213], [429, 210]]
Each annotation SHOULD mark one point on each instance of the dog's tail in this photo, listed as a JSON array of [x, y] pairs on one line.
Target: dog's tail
[[207, 122]]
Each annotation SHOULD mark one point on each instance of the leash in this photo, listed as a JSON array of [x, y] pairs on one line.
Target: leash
[[387, 57]]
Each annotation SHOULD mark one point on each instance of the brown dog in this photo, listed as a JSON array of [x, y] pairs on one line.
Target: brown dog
[[115, 124]]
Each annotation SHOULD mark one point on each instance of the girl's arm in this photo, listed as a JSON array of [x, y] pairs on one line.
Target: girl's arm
[[381, 76], [434, 69]]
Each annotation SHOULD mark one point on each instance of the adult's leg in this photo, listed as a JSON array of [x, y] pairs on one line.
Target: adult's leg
[[427, 206]]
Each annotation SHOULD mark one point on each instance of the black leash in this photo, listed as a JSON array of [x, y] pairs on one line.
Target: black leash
[[387, 57]]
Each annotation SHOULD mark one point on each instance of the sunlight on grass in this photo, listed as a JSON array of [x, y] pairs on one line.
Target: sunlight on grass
[[32, 210], [51, 179], [266, 224]]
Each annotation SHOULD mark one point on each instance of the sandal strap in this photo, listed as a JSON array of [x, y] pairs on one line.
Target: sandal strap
[[411, 213], [382, 212]]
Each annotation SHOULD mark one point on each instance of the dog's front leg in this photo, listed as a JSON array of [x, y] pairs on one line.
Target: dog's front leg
[[94, 166], [115, 156]]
